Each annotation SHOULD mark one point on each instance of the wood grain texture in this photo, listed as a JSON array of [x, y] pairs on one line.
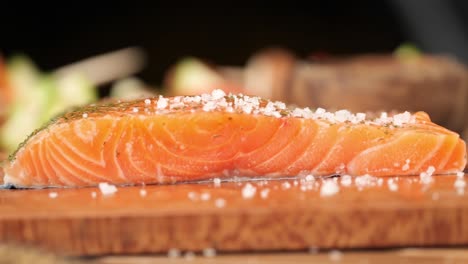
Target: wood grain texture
[[410, 255], [75, 223]]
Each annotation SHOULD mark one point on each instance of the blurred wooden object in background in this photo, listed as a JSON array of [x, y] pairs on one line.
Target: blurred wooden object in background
[[435, 84], [372, 83]]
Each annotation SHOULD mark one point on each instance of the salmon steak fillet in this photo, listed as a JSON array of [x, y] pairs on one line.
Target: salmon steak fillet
[[186, 138]]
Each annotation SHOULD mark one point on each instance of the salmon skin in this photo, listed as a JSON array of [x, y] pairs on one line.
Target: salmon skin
[[169, 140]]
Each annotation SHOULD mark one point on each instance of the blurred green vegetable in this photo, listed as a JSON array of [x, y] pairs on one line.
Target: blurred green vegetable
[[407, 51], [37, 97], [131, 88]]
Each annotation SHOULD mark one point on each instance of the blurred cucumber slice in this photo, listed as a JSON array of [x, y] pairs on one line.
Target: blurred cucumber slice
[[26, 114], [130, 88], [191, 76], [407, 51], [37, 98], [70, 91]]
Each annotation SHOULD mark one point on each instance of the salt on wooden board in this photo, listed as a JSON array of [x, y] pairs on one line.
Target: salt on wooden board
[[239, 216]]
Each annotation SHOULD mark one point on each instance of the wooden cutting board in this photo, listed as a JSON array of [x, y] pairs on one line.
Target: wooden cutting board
[[291, 215]]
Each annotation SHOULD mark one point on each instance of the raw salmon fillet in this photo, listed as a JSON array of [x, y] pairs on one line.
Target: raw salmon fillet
[[168, 140]]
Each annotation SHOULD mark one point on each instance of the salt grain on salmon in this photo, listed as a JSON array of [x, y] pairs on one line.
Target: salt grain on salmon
[[219, 132], [309, 178], [346, 180], [53, 195], [406, 166], [365, 181]]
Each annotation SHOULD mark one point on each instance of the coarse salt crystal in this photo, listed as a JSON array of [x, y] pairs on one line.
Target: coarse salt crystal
[[162, 103], [392, 186], [135, 110], [217, 182], [217, 94], [460, 183], [335, 255], [220, 202], [346, 180], [309, 178], [406, 166], [313, 250], [93, 194], [205, 196], [401, 119], [85, 115], [384, 117], [173, 253], [320, 111], [430, 170], [143, 192], [53, 195], [280, 105], [175, 105], [285, 185], [460, 174], [264, 193], [329, 188], [247, 108], [426, 177], [342, 115], [360, 117], [380, 182], [147, 101], [189, 255], [209, 252], [177, 99], [276, 114], [107, 189], [365, 181], [248, 192], [209, 106], [192, 196]]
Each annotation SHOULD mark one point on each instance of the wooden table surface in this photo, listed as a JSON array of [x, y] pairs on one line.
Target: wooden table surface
[[293, 215], [394, 256]]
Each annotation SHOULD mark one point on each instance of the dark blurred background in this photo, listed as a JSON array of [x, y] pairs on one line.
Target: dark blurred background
[[55, 34]]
